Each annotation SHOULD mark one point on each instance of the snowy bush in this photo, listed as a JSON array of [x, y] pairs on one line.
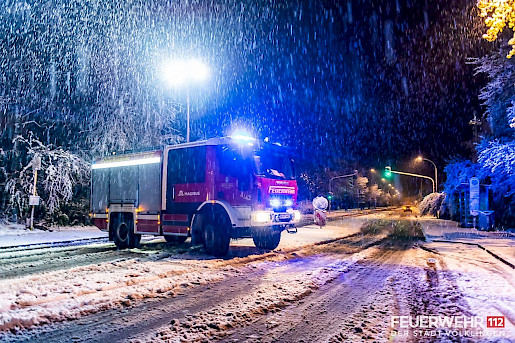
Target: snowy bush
[[431, 204], [396, 229], [305, 207]]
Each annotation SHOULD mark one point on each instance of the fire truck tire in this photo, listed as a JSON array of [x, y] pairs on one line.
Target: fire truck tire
[[123, 234], [215, 234], [176, 239], [266, 238]]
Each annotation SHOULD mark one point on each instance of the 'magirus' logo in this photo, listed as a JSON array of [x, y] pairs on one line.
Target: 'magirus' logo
[[182, 193]]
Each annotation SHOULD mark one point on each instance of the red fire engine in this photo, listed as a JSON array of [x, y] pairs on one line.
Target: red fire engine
[[211, 190]]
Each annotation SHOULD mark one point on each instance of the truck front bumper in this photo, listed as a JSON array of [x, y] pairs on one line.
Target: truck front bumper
[[269, 218]]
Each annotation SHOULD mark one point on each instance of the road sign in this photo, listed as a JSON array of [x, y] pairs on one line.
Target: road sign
[[33, 200], [474, 196], [36, 162], [320, 203]]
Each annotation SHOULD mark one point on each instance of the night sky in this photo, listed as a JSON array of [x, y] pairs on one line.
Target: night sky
[[371, 81], [345, 83]]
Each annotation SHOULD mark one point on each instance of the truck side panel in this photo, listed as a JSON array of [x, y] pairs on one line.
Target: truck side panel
[[99, 190], [150, 187], [123, 185]]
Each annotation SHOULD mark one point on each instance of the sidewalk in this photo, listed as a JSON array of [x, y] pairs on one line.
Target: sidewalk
[[500, 243], [16, 235]]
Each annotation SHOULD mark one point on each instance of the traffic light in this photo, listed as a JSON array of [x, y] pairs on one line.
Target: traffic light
[[388, 172], [330, 196]]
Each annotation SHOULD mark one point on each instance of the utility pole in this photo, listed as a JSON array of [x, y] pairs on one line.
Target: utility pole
[[475, 122]]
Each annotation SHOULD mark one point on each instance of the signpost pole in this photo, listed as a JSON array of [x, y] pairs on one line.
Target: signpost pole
[[33, 193], [36, 165], [474, 199]]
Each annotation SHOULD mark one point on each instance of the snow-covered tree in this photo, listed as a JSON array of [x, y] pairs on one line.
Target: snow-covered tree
[[61, 172], [374, 192], [499, 93], [498, 14]]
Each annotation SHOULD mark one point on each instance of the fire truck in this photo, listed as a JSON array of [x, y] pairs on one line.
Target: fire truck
[[211, 190]]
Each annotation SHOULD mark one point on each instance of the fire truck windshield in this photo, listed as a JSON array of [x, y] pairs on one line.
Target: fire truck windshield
[[273, 164]]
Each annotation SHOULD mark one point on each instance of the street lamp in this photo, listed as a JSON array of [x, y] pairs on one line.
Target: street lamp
[[420, 159], [183, 72]]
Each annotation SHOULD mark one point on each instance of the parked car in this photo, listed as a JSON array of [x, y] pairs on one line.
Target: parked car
[[407, 208]]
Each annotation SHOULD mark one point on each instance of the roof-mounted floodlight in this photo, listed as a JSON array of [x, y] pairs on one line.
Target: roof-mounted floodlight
[[243, 137], [126, 163]]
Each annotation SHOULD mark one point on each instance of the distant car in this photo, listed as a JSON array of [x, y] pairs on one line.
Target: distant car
[[407, 208]]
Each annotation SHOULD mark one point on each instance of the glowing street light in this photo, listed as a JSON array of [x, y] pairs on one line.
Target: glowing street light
[[183, 72], [420, 159]]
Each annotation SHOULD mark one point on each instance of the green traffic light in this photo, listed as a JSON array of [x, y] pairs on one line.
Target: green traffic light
[[388, 172]]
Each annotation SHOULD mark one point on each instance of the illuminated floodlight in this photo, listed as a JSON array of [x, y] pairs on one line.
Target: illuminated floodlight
[[242, 136], [179, 72], [126, 163]]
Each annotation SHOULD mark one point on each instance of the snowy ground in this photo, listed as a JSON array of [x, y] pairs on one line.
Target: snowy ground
[[316, 287], [16, 234]]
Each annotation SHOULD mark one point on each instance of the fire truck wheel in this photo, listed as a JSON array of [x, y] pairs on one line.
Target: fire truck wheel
[[135, 240], [266, 238], [215, 235], [175, 239], [123, 234]]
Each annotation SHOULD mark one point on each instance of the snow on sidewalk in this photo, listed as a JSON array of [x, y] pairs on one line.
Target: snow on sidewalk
[[500, 243], [17, 234]]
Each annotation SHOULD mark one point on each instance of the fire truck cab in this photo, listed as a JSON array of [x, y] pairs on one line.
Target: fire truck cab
[[211, 190]]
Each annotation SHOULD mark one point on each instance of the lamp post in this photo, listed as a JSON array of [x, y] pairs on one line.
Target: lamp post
[[411, 174], [183, 72], [420, 159]]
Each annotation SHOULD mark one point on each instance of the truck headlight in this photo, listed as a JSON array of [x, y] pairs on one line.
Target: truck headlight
[[288, 202], [262, 217]]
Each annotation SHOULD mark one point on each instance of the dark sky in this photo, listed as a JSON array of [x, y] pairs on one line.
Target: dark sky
[[371, 82], [345, 83]]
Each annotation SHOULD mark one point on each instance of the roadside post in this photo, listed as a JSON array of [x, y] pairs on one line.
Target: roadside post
[[34, 199], [474, 199]]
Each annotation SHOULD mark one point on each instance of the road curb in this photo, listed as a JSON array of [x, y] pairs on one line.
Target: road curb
[[509, 264]]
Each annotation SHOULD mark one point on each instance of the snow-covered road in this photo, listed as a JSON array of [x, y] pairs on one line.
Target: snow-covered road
[[327, 285]]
